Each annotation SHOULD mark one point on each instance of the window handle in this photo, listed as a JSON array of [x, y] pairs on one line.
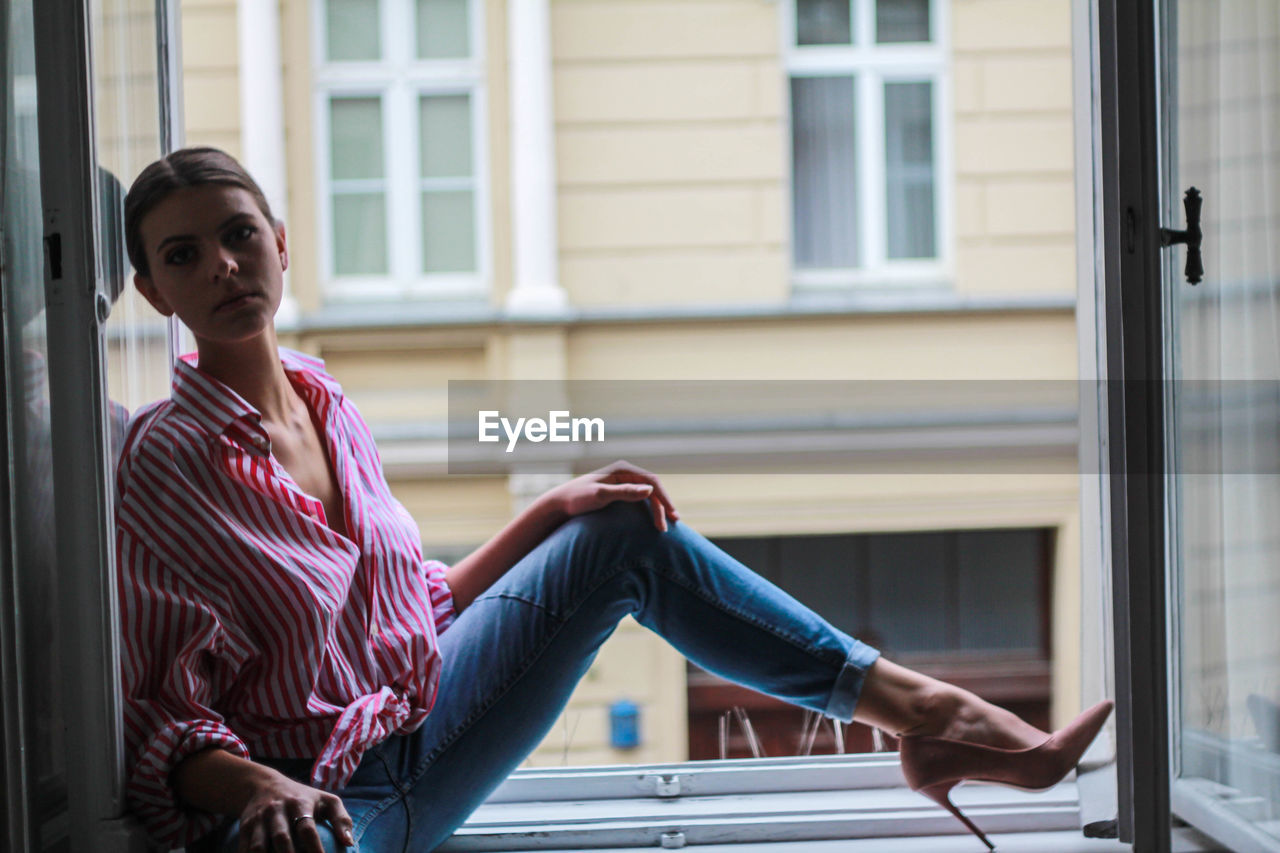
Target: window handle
[[1192, 236]]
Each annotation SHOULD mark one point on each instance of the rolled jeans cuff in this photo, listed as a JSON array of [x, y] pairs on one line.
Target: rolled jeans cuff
[[848, 686]]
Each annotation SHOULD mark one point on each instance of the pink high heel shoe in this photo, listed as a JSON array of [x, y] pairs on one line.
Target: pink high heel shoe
[[934, 765]]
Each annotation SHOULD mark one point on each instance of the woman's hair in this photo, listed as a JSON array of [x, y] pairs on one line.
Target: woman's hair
[[186, 167]]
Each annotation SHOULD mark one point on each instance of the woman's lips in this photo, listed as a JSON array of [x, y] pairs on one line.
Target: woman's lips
[[236, 301]]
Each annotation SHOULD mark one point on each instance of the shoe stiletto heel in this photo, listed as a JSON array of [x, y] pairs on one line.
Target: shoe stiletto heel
[[941, 794], [934, 765]]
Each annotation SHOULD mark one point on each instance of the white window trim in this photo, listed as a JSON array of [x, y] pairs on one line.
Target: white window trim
[[1217, 809], [874, 65], [398, 81], [741, 801]]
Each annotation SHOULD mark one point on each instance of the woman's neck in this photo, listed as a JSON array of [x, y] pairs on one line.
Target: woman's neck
[[253, 370]]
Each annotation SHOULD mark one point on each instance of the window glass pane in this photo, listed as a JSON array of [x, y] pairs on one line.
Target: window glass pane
[[936, 598], [31, 568], [359, 234], [819, 571], [448, 231], [998, 580], [823, 22], [355, 130], [909, 173], [1222, 376], [824, 177], [445, 133], [353, 27], [443, 30], [902, 20], [908, 589]]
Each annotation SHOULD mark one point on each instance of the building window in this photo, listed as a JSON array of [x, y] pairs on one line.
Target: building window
[[868, 141], [970, 607], [400, 140]]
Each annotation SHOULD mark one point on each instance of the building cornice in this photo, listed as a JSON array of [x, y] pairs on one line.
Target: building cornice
[[433, 315]]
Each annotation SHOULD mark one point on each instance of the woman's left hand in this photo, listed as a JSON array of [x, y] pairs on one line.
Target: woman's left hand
[[620, 481]]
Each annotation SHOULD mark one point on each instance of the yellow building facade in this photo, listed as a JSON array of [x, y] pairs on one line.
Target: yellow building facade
[[631, 184]]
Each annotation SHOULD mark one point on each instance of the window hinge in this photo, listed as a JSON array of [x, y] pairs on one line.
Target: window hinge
[[664, 786]]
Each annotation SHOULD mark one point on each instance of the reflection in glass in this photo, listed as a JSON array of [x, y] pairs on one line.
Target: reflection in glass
[[353, 29], [824, 179], [126, 110], [902, 21], [25, 360], [823, 22], [443, 29], [1226, 413], [127, 98], [909, 171]]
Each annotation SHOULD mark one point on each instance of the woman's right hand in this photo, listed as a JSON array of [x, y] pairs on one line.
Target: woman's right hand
[[269, 803], [281, 817]]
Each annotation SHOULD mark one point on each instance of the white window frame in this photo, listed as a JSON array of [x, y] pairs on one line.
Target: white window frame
[[872, 65], [399, 79]]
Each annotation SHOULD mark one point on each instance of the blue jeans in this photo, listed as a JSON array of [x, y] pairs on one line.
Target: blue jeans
[[513, 657]]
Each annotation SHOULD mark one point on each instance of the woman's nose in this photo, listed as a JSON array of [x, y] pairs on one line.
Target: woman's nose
[[224, 264]]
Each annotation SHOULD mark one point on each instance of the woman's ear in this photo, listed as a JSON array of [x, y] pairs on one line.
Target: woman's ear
[[149, 292], [282, 246]]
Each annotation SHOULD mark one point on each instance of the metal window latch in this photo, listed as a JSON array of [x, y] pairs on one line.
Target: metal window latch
[[1192, 236], [664, 786]]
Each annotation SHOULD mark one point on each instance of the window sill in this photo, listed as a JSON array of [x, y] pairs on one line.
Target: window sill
[[792, 805], [1013, 842], [1226, 787]]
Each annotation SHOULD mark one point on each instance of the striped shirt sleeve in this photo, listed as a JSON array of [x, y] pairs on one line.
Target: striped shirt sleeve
[[442, 612], [171, 641]]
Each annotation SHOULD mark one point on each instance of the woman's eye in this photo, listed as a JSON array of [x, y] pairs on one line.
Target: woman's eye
[[179, 256], [244, 232]]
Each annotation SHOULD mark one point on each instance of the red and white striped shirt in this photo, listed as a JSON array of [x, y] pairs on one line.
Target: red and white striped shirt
[[248, 623]]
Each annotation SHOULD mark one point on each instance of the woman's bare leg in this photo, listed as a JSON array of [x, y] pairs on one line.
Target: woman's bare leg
[[904, 702]]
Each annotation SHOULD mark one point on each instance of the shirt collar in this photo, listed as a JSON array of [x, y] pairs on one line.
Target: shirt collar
[[217, 408], [310, 370]]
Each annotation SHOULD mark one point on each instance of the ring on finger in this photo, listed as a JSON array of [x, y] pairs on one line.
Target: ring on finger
[[300, 818]]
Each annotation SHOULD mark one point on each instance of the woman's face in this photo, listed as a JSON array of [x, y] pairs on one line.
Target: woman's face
[[215, 261]]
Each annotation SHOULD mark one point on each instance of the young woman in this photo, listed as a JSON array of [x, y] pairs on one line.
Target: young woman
[[298, 677]]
